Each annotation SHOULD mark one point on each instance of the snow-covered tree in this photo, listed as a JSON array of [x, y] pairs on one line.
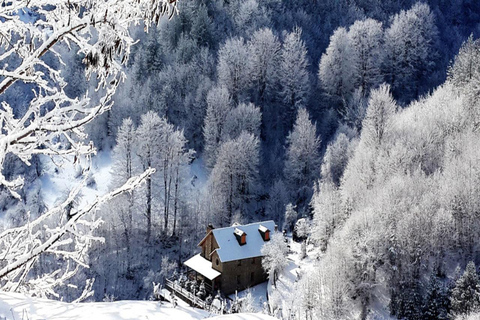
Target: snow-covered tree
[[290, 217], [173, 157], [336, 158], [274, 256], [167, 267], [265, 50], [278, 199], [465, 297], [163, 147], [234, 67], [336, 67], [465, 67], [219, 104], [294, 76], [233, 181], [327, 212], [410, 45], [245, 117], [366, 41], [436, 304], [464, 74], [303, 160], [99, 31], [149, 135], [378, 120], [125, 165], [202, 31]]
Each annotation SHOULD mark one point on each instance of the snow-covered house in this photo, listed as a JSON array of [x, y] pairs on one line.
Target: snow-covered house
[[231, 258]]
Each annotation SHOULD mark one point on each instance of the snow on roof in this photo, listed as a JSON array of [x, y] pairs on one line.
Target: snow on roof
[[230, 249], [238, 232], [263, 228], [202, 266]]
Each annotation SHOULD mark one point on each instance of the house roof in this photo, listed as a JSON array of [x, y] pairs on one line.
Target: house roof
[[229, 248], [202, 266]]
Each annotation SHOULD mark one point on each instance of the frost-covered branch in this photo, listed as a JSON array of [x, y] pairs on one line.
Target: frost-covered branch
[[20, 246], [99, 31], [52, 124]]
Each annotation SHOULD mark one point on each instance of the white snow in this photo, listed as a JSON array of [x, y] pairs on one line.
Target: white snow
[[244, 316], [18, 306], [263, 229], [230, 249], [282, 296], [259, 294], [202, 266], [61, 175]]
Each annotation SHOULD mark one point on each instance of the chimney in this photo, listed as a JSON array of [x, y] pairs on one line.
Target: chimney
[[241, 236], [210, 228], [264, 232]]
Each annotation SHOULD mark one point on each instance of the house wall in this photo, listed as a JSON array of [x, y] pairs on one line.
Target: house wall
[[219, 266], [208, 246], [230, 271]]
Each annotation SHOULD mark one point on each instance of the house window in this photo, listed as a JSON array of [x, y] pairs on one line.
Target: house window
[[216, 261], [252, 276], [239, 263], [238, 279], [253, 260]]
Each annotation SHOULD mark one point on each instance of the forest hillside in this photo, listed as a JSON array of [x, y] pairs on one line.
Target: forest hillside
[[128, 127]]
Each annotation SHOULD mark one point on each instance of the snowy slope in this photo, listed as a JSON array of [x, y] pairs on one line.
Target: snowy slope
[[17, 306], [244, 316], [60, 175]]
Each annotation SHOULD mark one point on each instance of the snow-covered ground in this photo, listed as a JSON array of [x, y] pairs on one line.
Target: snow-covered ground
[[14, 306], [60, 175], [17, 306], [281, 297], [259, 295]]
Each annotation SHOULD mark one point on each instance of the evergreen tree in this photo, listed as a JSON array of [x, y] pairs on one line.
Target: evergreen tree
[[465, 297], [436, 304]]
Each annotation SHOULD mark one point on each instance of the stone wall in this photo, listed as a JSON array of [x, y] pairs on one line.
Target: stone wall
[[239, 277]]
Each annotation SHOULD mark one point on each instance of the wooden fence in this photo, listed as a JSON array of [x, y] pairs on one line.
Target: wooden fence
[[185, 295]]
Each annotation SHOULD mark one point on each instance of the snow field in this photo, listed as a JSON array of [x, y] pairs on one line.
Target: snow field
[[14, 306]]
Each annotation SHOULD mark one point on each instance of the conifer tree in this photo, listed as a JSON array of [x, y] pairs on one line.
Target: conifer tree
[[436, 301], [465, 297]]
